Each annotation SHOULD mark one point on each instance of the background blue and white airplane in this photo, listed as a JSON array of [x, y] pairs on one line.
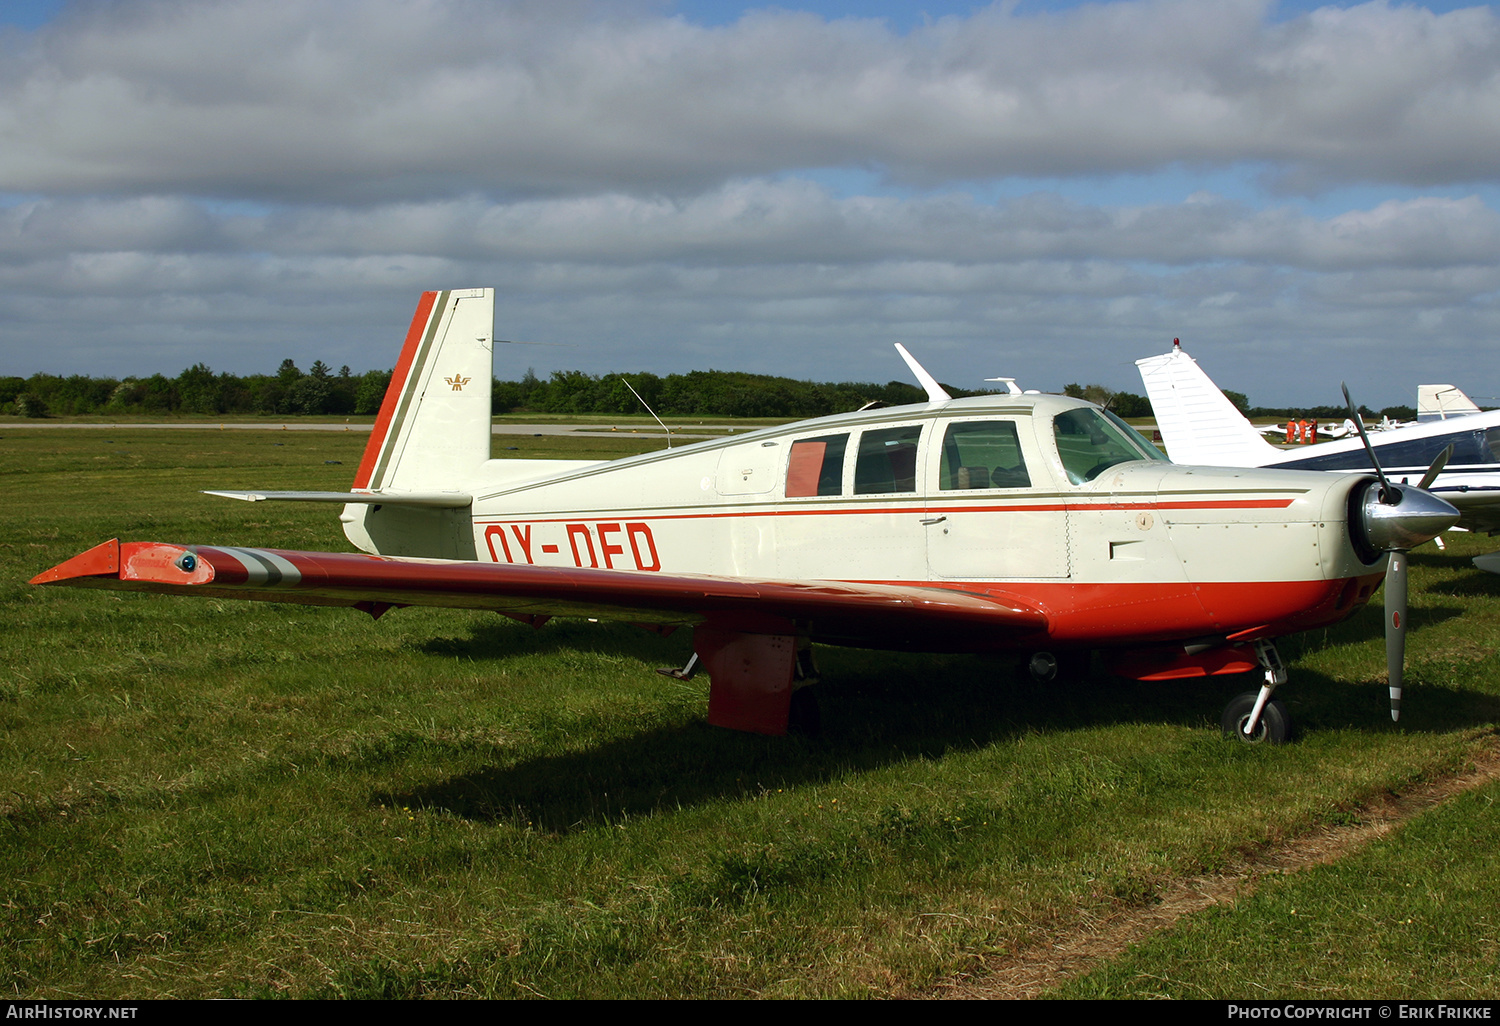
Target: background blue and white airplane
[[1200, 426]]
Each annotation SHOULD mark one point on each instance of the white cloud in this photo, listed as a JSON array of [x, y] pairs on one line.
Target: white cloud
[[776, 276], [789, 222], [244, 180], [382, 99]]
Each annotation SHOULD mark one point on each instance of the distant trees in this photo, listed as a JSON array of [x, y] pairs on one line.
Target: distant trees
[[199, 390], [711, 393], [1124, 404], [698, 393]]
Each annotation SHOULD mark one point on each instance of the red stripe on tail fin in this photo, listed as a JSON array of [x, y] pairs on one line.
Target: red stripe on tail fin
[[388, 406]]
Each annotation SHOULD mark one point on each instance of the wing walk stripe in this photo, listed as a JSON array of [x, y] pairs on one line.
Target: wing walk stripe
[[262, 567]]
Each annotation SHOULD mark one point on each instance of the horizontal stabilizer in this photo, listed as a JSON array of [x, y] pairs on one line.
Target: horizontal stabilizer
[[428, 500]]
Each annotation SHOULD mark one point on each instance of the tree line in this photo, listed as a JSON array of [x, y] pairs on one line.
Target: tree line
[[289, 391], [322, 391]]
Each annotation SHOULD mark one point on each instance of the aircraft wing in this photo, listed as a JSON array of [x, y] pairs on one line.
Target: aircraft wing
[[1478, 508], [890, 615]]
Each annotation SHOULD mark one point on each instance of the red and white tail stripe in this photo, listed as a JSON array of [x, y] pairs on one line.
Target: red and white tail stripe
[[433, 428]]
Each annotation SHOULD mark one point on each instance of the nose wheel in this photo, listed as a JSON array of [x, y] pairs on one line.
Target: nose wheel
[[1255, 717], [1273, 727]]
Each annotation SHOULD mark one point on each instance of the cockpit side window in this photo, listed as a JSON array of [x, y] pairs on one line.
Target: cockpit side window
[[982, 454], [1090, 443], [887, 461], [816, 466]]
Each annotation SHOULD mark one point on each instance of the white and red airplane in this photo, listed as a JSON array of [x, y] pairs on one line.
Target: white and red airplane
[[1027, 523]]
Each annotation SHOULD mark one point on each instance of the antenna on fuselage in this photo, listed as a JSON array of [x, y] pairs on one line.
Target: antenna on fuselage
[[648, 409], [935, 393], [1011, 387]]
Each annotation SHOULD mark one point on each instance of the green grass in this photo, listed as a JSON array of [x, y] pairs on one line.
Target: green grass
[[1411, 916], [204, 798]]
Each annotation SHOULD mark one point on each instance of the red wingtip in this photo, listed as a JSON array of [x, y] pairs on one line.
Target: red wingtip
[[99, 561]]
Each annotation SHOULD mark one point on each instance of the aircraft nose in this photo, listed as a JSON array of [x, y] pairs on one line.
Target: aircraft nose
[[1415, 516]]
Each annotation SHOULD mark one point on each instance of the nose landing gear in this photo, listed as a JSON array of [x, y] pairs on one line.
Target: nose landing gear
[[1058, 667], [1255, 717]]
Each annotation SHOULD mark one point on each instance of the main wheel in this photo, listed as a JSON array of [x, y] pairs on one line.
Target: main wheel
[[1066, 667], [1274, 728], [1043, 667]]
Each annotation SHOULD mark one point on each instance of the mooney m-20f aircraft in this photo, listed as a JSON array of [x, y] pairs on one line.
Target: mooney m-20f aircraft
[[1026, 523], [1200, 425]]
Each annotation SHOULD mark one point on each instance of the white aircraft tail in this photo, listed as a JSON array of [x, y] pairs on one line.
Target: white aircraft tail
[[1438, 402], [429, 453], [1199, 425], [433, 430]]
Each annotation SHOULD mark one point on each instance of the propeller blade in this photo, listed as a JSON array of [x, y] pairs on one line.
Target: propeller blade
[[1436, 468], [1386, 495], [1395, 627]]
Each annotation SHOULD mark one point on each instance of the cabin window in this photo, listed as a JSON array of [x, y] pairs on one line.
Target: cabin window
[[816, 466], [1090, 442], [887, 461], [983, 454]]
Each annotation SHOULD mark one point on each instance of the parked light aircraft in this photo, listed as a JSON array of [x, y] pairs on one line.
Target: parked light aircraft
[[1028, 523], [1199, 425], [1434, 402], [1326, 429]]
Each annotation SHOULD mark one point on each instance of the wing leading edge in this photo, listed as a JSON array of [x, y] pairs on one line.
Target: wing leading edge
[[880, 615]]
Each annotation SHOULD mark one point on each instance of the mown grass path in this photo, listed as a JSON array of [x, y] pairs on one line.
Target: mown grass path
[[1056, 962]]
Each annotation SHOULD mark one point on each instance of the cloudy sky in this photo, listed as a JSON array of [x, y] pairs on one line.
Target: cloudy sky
[[1048, 190]]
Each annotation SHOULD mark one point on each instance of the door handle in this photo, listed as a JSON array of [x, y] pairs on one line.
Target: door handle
[[929, 521]]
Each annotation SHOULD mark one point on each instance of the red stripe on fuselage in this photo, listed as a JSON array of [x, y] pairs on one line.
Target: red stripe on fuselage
[[393, 392], [913, 506]]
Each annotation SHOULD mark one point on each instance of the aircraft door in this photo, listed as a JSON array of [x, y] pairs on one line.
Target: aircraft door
[[748, 469], [746, 477], [993, 509]]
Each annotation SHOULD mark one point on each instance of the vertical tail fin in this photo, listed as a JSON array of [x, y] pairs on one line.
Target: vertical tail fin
[[433, 431], [1437, 402], [1199, 425]]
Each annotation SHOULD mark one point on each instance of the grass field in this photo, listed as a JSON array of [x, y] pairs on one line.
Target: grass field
[[203, 798]]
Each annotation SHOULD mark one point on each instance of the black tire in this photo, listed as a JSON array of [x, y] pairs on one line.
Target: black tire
[[804, 717], [1043, 667], [1071, 666], [1274, 728]]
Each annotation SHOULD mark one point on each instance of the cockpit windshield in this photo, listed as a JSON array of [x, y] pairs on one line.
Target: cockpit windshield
[[1090, 441]]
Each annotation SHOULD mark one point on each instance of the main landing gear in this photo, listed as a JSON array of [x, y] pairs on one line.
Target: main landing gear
[[805, 717], [801, 710], [1255, 717]]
